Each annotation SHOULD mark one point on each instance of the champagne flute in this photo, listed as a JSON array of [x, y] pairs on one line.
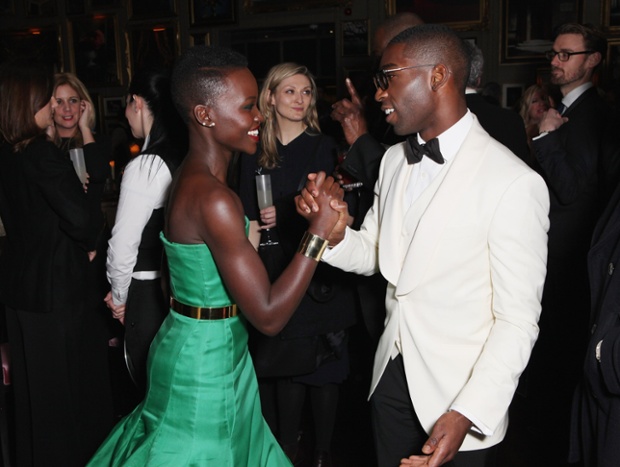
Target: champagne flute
[[265, 200]]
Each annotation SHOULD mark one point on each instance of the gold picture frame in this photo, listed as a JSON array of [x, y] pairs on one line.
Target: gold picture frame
[[270, 6], [206, 12], [610, 10], [39, 44], [95, 49], [461, 15], [155, 42], [527, 27]]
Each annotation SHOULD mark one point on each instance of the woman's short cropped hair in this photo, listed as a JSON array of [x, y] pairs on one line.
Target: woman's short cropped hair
[[198, 76]]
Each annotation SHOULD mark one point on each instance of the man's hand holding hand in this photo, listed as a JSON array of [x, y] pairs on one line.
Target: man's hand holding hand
[[321, 201]]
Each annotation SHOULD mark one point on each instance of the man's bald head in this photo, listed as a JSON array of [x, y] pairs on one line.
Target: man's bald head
[[391, 27]]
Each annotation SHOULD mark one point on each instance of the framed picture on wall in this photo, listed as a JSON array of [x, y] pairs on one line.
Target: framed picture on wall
[[41, 8], [527, 27], [613, 61], [99, 4], [154, 43], [355, 38], [611, 15], [74, 7], [40, 45], [95, 50], [263, 6], [206, 12], [200, 38], [113, 106], [153, 8], [7, 7], [511, 93], [458, 14]]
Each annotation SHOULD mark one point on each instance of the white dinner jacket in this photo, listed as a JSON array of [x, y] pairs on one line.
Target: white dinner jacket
[[465, 266]]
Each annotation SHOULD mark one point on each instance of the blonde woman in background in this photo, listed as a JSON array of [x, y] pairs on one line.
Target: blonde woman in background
[[535, 101], [309, 358]]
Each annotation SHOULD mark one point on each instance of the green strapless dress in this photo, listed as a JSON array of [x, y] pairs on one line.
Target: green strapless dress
[[202, 405]]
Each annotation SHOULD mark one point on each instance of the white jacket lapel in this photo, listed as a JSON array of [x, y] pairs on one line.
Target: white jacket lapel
[[444, 201]]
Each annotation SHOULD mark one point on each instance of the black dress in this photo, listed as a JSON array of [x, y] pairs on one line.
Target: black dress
[[328, 307], [44, 270]]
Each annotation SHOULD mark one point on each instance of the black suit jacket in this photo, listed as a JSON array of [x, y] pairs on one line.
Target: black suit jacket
[[569, 160], [504, 125], [47, 217], [596, 413]]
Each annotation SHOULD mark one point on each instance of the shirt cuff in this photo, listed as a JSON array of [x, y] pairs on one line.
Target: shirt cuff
[[329, 251], [477, 426], [544, 133], [119, 297]]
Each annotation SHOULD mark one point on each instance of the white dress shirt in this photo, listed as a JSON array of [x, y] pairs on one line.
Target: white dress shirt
[[144, 188]]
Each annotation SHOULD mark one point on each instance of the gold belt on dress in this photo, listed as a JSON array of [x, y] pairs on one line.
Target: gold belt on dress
[[198, 312]]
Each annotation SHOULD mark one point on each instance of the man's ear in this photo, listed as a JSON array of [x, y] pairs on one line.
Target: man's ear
[[439, 76], [594, 59]]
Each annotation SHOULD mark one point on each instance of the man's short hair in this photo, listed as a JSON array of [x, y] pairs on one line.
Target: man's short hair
[[593, 38], [476, 67], [437, 44]]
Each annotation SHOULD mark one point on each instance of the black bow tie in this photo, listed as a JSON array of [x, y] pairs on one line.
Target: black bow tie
[[414, 150]]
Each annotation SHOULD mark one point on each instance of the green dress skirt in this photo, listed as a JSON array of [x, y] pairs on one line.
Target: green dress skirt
[[202, 406]]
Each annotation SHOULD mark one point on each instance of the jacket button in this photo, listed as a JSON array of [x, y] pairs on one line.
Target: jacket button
[[610, 268]]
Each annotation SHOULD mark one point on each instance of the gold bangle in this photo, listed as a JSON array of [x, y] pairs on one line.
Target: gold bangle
[[312, 246]]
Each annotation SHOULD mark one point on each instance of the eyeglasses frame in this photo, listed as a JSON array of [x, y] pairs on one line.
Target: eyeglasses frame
[[551, 54], [382, 75]]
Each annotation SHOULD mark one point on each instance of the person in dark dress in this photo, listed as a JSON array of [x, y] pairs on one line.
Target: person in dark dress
[[44, 279], [314, 343]]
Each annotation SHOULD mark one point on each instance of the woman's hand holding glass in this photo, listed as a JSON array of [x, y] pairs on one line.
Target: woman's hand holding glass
[[268, 218]]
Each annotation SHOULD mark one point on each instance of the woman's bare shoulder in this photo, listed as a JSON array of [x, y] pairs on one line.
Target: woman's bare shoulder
[[202, 206]]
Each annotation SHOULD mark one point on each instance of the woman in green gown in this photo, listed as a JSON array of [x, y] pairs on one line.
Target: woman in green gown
[[202, 406]]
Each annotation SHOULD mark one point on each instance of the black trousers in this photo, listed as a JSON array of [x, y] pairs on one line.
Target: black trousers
[[145, 311], [397, 430]]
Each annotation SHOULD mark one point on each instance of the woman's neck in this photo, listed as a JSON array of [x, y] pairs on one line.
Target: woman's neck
[[288, 130], [64, 133]]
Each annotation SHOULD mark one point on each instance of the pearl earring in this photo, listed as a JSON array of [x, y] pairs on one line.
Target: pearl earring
[[211, 125]]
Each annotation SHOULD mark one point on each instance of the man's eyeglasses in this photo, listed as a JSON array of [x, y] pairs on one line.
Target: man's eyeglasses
[[564, 56], [382, 77]]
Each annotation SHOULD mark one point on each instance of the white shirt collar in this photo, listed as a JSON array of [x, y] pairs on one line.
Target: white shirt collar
[[147, 140], [572, 96], [450, 141]]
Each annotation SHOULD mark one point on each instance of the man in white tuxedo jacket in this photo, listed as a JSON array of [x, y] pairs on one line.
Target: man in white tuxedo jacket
[[462, 243]]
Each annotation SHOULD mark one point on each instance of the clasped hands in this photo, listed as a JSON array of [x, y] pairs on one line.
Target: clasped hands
[[321, 204], [551, 121], [118, 311]]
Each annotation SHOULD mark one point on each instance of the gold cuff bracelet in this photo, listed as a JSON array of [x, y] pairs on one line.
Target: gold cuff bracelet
[[312, 246]]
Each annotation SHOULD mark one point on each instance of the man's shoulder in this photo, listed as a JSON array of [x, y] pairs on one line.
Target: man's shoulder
[[590, 101]]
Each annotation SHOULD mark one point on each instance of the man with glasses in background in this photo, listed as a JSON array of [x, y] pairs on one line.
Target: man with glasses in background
[[459, 230], [571, 153]]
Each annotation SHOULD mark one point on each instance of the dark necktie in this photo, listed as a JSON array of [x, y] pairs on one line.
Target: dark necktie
[[561, 108], [414, 150]]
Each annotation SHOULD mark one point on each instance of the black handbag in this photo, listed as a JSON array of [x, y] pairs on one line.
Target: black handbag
[[293, 356], [278, 357]]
